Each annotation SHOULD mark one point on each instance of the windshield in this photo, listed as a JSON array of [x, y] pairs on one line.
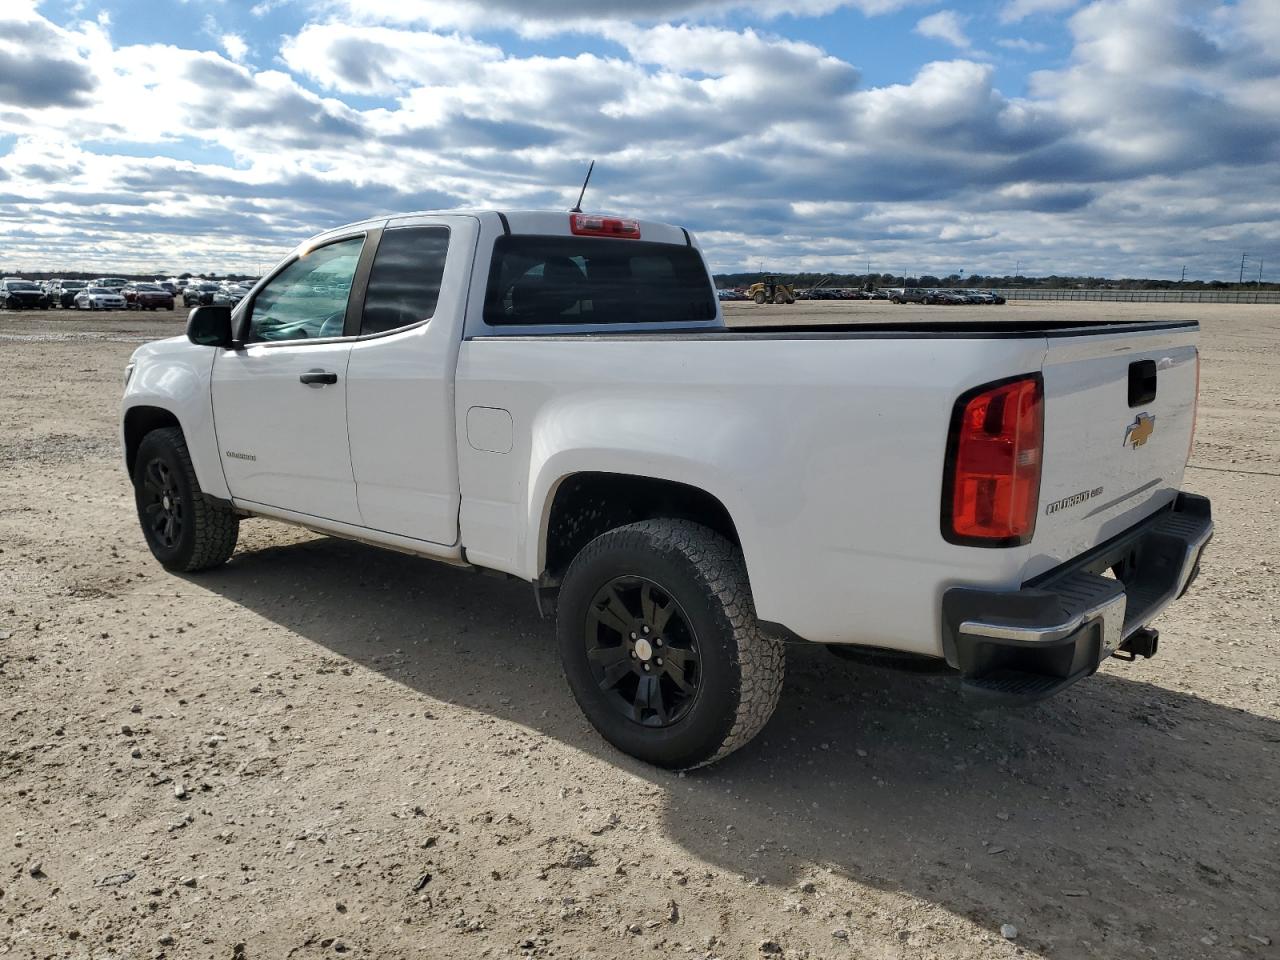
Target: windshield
[[147, 287], [545, 280], [107, 291], [73, 284], [21, 285]]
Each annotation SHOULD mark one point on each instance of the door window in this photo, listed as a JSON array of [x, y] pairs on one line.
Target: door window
[[404, 284], [308, 299]]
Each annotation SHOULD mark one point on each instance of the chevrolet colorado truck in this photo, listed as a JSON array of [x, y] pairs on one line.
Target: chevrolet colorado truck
[[556, 397]]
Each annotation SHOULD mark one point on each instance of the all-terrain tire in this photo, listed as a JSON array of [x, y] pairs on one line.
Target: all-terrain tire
[[207, 529], [740, 669]]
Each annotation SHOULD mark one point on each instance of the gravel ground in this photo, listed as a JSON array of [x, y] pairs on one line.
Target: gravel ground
[[323, 749]]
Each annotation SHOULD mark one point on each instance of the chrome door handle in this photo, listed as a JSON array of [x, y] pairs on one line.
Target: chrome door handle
[[318, 378]]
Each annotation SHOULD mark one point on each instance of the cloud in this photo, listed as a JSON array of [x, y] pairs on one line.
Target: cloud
[[945, 25], [551, 16], [33, 74], [234, 45], [1019, 43], [1157, 141], [38, 80], [1016, 10], [379, 60]]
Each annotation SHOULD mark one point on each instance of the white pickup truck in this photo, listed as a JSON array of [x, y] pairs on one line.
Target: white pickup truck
[[556, 397]]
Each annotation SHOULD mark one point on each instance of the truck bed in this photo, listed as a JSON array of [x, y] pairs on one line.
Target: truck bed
[[964, 329]]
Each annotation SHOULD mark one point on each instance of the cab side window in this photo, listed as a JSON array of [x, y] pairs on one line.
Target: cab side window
[[404, 284], [308, 299]]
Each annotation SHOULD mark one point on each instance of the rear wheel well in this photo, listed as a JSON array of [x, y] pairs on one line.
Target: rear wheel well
[[138, 422], [589, 504]]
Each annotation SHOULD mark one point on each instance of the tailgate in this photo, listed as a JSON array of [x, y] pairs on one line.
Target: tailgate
[[1110, 462]]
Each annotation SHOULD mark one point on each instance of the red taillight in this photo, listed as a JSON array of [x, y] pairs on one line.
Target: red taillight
[[991, 489], [589, 225]]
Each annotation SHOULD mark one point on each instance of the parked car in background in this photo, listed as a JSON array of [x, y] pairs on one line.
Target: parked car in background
[[730, 295], [94, 297], [113, 283], [62, 293], [169, 287], [19, 294], [199, 293], [910, 295], [230, 294], [147, 296], [949, 298]]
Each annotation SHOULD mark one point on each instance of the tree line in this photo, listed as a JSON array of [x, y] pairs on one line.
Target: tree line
[[980, 281]]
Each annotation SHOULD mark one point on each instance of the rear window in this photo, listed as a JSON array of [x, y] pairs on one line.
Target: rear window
[[581, 280]]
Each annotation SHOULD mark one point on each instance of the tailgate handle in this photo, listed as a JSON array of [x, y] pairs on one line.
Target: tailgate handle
[[1142, 382]]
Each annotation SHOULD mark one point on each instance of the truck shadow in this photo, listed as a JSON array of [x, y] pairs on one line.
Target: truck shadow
[[1126, 818]]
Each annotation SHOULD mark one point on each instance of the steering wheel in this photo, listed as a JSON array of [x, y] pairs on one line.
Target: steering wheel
[[333, 324]]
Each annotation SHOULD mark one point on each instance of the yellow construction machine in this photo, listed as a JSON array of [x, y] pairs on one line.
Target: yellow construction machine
[[769, 290]]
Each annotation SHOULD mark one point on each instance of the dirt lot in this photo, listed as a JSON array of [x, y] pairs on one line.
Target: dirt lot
[[322, 749]]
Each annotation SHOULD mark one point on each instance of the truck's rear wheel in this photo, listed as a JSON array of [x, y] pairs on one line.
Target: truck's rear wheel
[[660, 645], [186, 530], [760, 297]]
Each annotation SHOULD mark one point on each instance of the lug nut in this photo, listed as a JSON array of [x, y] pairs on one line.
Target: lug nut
[[659, 661], [645, 629], [657, 641], [646, 668], [633, 636], [633, 654]]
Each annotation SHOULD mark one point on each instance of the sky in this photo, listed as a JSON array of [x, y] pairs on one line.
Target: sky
[[1107, 138]]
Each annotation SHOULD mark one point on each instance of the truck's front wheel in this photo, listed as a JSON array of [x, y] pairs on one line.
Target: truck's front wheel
[[186, 530], [660, 644]]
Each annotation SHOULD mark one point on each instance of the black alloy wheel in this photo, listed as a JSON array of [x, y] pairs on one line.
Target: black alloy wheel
[[643, 652], [160, 503]]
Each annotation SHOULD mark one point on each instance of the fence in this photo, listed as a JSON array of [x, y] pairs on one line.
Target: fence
[[1143, 296]]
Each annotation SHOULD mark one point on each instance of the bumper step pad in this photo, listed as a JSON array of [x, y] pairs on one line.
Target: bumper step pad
[[1028, 644]]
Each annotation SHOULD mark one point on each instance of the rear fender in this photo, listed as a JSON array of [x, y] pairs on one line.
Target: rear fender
[[575, 437]]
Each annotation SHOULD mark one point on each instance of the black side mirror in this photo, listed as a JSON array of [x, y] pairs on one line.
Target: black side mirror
[[210, 326]]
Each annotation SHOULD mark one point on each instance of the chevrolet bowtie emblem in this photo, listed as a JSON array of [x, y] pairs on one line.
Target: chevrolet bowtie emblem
[[1140, 431]]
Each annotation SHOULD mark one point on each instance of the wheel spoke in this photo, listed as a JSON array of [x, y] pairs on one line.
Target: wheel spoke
[[649, 697], [613, 673], [661, 615], [607, 656], [648, 604], [614, 613], [677, 656], [676, 673]]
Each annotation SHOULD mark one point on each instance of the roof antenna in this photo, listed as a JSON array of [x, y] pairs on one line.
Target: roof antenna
[[578, 207]]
